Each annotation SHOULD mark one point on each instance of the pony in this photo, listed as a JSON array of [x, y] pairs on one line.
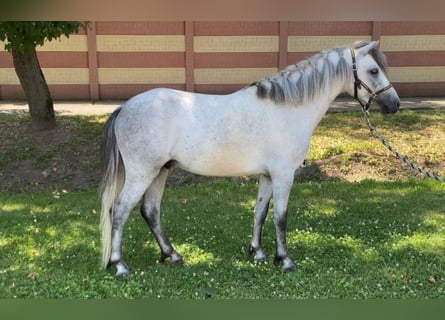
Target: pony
[[263, 129]]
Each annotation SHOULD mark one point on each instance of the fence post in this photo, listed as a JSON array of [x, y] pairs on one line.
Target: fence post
[[189, 56], [376, 30], [283, 47], [92, 61]]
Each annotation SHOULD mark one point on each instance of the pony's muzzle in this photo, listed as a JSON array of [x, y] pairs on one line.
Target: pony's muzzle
[[388, 101]]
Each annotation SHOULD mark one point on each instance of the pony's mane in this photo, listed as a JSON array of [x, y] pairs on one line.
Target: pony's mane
[[376, 54], [301, 82]]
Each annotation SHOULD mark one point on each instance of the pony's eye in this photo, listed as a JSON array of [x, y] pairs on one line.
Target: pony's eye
[[374, 71]]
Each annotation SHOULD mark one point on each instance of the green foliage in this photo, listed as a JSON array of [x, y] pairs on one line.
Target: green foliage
[[24, 35]]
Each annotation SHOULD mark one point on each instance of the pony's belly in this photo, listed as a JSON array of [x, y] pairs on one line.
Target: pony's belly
[[222, 166], [213, 171]]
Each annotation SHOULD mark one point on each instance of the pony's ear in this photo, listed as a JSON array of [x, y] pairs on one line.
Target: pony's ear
[[364, 50]]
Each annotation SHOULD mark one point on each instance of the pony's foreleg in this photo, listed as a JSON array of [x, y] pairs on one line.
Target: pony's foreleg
[[281, 190], [150, 211], [261, 209]]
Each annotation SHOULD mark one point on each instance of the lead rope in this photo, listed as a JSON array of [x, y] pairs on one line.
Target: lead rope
[[413, 166]]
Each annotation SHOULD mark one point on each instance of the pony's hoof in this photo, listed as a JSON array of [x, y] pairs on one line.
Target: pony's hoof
[[259, 257], [288, 264], [174, 257], [176, 260], [250, 250], [122, 271], [177, 263], [163, 257], [260, 260], [277, 260], [122, 276]]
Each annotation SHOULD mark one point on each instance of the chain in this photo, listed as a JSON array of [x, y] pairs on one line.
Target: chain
[[413, 166]]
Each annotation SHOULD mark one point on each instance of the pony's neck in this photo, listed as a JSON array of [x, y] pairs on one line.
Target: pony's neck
[[335, 76], [323, 76], [337, 68]]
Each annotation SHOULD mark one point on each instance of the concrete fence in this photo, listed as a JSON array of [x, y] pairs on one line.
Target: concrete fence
[[116, 60]]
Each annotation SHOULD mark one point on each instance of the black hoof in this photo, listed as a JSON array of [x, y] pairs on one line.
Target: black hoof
[[111, 264], [277, 261], [250, 250], [163, 257]]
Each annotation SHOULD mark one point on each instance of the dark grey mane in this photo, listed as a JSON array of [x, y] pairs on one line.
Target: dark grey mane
[[302, 82], [376, 54]]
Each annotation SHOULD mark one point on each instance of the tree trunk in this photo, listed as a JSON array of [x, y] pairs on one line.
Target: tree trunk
[[36, 89]]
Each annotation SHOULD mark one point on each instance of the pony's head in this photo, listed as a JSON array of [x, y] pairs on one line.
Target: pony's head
[[370, 78]]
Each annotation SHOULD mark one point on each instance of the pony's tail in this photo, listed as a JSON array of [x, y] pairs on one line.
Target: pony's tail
[[112, 182]]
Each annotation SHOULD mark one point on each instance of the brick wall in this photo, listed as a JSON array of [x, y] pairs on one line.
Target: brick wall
[[116, 60]]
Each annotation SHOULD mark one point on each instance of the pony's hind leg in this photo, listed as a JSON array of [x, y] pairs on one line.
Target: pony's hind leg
[[150, 211], [261, 209], [130, 194]]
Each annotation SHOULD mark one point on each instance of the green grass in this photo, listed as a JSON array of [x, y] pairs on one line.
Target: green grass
[[358, 240], [342, 143], [413, 132]]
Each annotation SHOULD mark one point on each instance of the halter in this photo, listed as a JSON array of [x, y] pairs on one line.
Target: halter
[[359, 83]]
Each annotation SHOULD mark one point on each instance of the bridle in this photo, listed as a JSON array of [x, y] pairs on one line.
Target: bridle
[[358, 84]]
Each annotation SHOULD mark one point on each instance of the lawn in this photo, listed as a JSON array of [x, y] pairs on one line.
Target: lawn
[[361, 240], [379, 236]]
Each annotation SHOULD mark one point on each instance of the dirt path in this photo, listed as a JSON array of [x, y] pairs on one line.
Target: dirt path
[[106, 107]]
